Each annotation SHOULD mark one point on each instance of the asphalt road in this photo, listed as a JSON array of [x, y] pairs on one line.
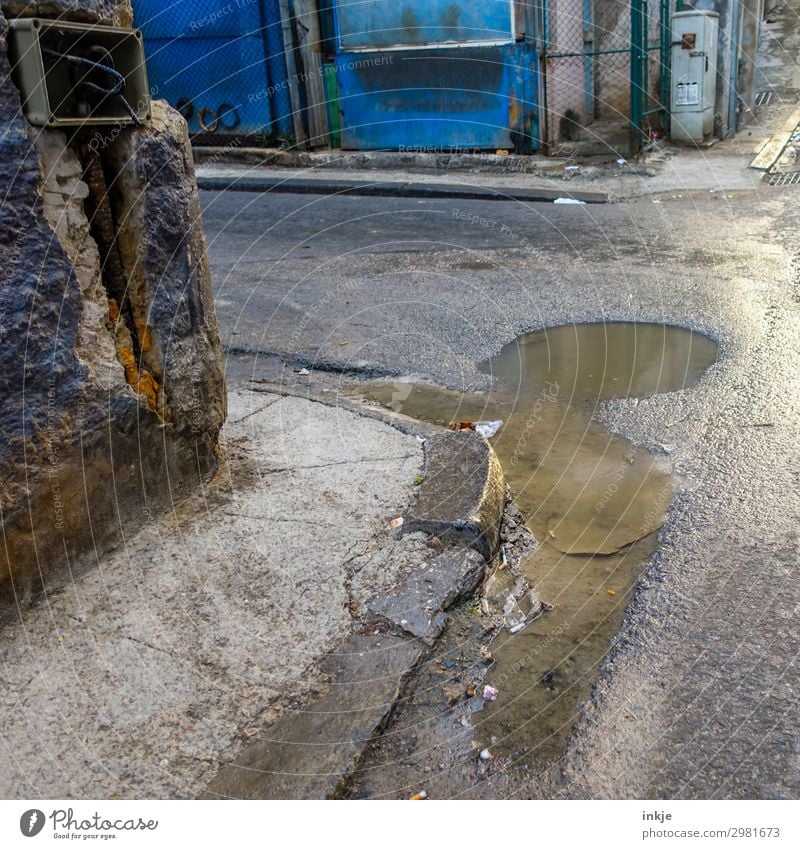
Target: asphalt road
[[698, 696]]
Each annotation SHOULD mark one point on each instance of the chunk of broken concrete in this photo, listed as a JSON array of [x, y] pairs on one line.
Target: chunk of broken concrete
[[418, 603]]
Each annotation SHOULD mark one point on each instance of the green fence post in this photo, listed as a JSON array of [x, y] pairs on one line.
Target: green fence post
[[638, 71], [665, 31]]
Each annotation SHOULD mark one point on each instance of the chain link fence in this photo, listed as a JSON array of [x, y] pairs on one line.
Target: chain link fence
[[606, 66]]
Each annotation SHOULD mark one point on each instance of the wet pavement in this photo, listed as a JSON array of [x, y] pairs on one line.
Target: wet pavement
[[588, 495], [695, 696], [683, 683]]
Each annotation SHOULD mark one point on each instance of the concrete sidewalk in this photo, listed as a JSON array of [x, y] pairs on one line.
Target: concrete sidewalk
[[264, 180], [140, 677], [667, 168], [663, 168], [132, 679]]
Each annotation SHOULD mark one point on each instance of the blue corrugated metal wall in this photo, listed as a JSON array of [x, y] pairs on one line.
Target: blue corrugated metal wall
[[224, 57], [435, 75], [383, 23]]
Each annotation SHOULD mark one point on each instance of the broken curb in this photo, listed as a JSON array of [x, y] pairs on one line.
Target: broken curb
[[313, 753], [463, 495], [308, 753], [417, 604]]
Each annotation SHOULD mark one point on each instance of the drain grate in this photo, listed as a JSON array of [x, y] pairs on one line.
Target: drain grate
[[790, 178], [764, 98]]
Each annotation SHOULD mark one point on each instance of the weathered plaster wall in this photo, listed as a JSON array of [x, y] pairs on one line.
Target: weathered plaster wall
[[566, 97]]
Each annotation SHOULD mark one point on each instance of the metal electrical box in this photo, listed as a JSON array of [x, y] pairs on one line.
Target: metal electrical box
[[75, 74], [694, 75]]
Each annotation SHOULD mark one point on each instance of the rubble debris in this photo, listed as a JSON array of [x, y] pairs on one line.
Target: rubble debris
[[488, 429]]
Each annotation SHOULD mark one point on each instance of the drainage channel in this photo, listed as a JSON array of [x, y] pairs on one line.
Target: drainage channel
[[593, 499]]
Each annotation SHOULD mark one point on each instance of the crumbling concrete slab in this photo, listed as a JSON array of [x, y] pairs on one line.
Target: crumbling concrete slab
[[417, 604], [311, 751], [314, 752], [136, 678]]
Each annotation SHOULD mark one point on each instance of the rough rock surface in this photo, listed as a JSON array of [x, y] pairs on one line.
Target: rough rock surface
[[163, 252], [113, 12], [84, 451]]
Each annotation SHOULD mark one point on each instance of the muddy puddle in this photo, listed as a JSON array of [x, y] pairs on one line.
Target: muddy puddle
[[593, 499]]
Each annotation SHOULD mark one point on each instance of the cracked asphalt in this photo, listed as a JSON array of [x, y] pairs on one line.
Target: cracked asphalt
[[697, 697]]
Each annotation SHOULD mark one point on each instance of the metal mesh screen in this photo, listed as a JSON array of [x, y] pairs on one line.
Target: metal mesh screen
[[591, 68]]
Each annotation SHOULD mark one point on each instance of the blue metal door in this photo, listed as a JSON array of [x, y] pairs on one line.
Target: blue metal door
[[436, 75], [221, 64]]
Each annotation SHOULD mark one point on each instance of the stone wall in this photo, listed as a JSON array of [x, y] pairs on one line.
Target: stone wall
[[112, 389]]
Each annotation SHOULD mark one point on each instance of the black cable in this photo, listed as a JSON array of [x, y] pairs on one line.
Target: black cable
[[115, 91]]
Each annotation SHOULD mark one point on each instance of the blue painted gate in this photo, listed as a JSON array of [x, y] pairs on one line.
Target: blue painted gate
[[437, 75], [222, 64]]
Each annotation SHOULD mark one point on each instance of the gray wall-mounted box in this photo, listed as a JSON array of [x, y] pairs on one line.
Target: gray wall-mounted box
[[695, 36], [58, 68]]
